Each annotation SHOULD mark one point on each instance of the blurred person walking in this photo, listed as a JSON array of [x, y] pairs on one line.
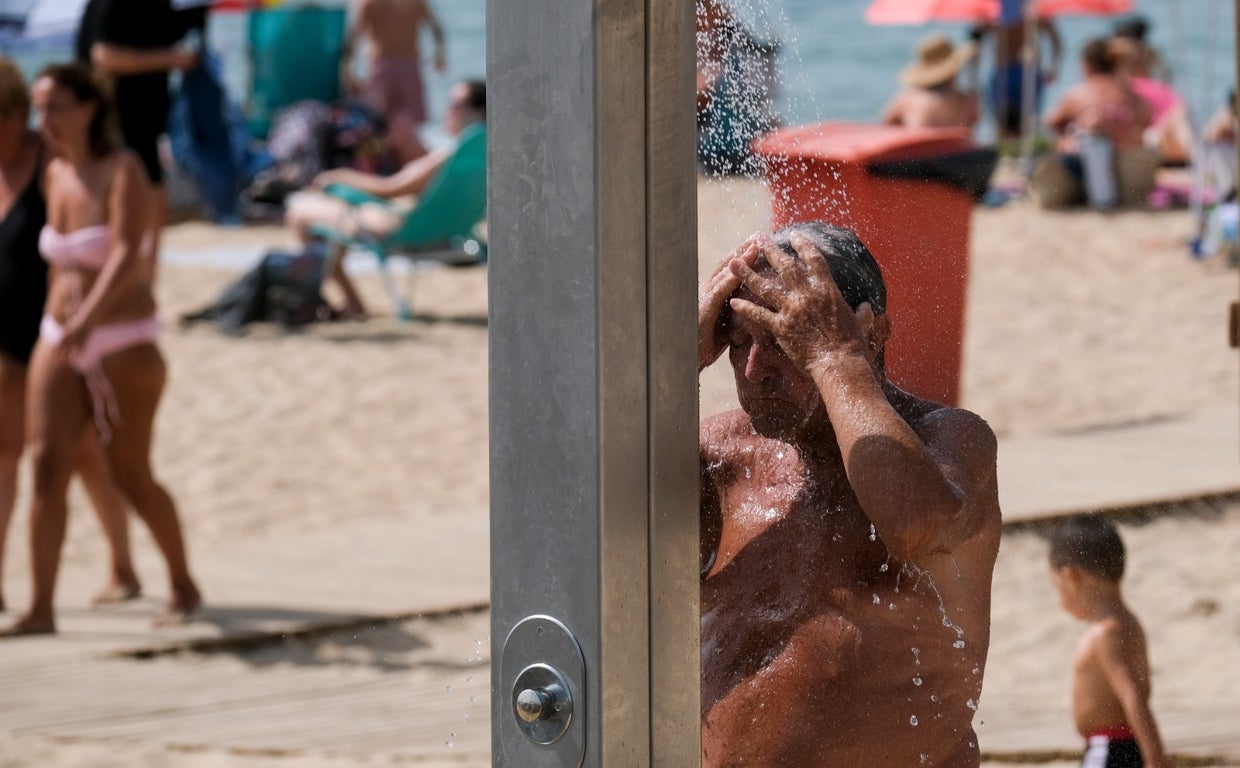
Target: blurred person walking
[[96, 357], [23, 291]]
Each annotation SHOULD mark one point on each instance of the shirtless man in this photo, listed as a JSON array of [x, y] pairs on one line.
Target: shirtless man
[[394, 82], [849, 529], [1007, 84]]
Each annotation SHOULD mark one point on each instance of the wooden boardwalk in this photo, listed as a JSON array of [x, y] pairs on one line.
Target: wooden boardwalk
[[298, 654]]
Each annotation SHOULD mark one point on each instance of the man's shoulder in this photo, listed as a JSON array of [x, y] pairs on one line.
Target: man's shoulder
[[723, 433]]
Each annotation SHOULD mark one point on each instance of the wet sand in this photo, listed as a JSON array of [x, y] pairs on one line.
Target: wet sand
[[1076, 321]]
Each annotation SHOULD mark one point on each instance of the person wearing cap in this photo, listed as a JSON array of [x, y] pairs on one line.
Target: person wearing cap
[[930, 97]]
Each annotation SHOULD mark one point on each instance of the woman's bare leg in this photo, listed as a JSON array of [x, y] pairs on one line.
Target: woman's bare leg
[[122, 582], [12, 438], [137, 376], [56, 413]]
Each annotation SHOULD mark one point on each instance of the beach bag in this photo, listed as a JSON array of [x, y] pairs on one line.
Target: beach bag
[[283, 287]]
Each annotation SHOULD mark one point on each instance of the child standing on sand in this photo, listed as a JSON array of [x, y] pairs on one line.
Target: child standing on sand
[[1111, 671]]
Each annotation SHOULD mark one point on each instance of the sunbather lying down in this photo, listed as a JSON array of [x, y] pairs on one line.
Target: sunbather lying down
[[394, 195]]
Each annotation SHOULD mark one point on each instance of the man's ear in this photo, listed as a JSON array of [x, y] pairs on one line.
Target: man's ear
[[875, 329]]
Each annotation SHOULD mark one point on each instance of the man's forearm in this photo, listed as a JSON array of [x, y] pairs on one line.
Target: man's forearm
[[895, 478]]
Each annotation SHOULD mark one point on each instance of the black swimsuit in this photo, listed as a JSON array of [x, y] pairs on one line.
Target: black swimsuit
[[23, 273]]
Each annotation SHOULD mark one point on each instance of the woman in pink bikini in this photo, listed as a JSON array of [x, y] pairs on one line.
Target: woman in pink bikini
[[23, 291], [96, 360]]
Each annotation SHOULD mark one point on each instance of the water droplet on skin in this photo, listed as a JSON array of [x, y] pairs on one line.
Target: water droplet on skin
[[934, 697], [958, 644], [916, 681], [971, 704], [873, 533], [448, 688], [912, 720], [877, 600], [883, 568], [891, 607]]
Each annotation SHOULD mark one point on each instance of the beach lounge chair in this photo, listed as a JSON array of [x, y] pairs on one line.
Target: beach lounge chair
[[441, 228]]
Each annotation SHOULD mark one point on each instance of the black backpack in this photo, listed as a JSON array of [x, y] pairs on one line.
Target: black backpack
[[284, 287]]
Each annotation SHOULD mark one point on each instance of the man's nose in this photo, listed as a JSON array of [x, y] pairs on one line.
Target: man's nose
[[758, 364]]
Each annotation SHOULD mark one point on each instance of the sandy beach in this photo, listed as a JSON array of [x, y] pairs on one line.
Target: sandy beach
[[1075, 322]]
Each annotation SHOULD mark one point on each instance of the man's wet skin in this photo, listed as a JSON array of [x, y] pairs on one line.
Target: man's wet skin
[[819, 647]]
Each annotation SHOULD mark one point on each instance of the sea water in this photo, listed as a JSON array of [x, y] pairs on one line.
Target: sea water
[[834, 66]]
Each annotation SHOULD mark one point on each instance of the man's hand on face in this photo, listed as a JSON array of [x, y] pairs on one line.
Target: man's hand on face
[[802, 308], [713, 296]]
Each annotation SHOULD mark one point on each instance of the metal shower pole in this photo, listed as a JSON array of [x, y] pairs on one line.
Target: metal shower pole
[[593, 405]]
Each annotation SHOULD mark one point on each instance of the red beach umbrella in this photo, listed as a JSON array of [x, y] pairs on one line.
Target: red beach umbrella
[[925, 11]]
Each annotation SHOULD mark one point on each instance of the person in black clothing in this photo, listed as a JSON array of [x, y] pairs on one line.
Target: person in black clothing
[[134, 42]]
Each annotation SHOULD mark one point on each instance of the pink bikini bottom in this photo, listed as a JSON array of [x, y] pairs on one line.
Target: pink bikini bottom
[[102, 341]]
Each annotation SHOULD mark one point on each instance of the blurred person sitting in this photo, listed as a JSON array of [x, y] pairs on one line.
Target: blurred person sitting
[[466, 107], [1100, 124], [1170, 134], [1146, 62], [930, 97], [1218, 148]]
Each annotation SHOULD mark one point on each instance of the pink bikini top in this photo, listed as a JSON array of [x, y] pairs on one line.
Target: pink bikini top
[[85, 248]]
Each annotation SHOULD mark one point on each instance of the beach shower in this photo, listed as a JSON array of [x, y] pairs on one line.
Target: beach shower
[[593, 383]]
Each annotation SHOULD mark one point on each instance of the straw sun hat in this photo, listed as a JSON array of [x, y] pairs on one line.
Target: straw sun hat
[[937, 62]]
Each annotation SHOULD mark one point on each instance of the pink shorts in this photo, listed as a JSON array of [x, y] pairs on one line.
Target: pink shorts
[[394, 87], [102, 341]]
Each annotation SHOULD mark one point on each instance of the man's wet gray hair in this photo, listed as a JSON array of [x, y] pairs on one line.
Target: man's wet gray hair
[[852, 265]]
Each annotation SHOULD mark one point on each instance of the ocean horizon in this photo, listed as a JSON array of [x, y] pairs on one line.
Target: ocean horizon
[[833, 65]]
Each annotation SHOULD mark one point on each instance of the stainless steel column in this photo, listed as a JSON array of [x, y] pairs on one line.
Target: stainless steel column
[[593, 263]]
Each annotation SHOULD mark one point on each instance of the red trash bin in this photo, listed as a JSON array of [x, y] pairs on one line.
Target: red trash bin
[[918, 229]]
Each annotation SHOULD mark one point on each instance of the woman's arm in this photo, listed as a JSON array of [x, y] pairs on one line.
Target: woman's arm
[[119, 60]]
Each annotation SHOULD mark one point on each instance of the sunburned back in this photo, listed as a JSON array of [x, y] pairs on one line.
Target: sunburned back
[[393, 26], [948, 108], [850, 656], [1106, 106]]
